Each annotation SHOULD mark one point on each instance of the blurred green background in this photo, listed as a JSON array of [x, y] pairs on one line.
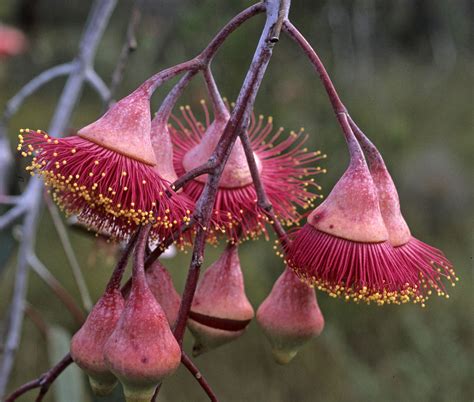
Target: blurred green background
[[405, 70]]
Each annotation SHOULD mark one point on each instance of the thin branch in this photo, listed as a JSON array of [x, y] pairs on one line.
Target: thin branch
[[368, 147], [59, 290], [17, 306], [98, 85], [202, 61], [93, 32], [218, 105], [43, 382], [236, 125], [205, 57], [10, 199], [33, 384], [191, 367], [70, 254], [6, 161], [31, 87], [188, 363], [205, 168], [262, 199], [117, 275], [169, 102], [336, 103], [128, 47], [208, 53], [9, 217], [95, 27]]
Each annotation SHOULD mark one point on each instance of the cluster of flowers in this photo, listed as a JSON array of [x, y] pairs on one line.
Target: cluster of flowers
[[357, 245], [118, 172], [117, 175]]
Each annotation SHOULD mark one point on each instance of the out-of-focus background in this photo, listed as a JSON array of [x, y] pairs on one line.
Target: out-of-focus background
[[404, 68]]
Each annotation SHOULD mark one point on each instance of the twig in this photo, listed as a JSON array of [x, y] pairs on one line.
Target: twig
[[169, 102], [367, 145], [236, 124], [10, 199], [202, 61], [205, 57], [12, 215], [70, 254], [191, 367], [218, 105], [6, 162], [128, 47], [336, 103], [188, 363], [205, 168], [43, 382], [98, 85], [95, 27], [31, 87], [117, 275], [60, 291], [19, 291], [88, 46], [262, 199]]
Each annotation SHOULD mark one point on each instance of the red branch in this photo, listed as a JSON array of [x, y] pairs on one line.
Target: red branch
[[188, 363], [200, 62], [336, 103], [236, 125], [43, 382]]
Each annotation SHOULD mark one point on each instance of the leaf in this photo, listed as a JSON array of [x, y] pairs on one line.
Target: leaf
[[69, 386]]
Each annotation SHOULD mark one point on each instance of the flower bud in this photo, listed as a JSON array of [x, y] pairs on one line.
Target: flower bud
[[220, 311], [290, 316], [142, 349], [87, 345], [161, 285]]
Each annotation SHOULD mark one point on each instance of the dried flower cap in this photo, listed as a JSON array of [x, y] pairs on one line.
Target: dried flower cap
[[142, 349], [426, 265], [290, 316], [161, 285], [351, 211], [220, 311], [107, 173], [344, 248], [283, 166], [87, 345], [397, 228], [125, 128]]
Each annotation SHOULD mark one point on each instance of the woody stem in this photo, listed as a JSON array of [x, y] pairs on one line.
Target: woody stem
[[201, 61], [262, 199], [116, 278], [235, 126], [336, 103]]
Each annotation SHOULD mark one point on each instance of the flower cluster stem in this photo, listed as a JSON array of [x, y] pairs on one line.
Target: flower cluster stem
[[236, 125]]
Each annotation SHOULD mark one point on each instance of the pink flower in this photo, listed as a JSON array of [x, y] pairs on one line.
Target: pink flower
[[283, 166], [108, 173]]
